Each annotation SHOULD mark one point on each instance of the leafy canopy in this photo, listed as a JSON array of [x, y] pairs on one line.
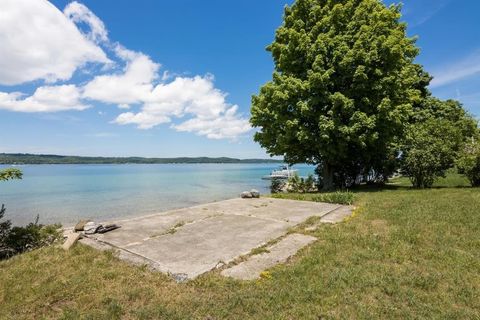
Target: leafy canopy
[[10, 174], [345, 82], [436, 134]]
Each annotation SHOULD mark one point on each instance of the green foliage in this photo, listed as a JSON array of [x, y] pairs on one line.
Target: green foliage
[[449, 110], [438, 131], [429, 150], [277, 185], [21, 158], [295, 183], [15, 240], [32, 236], [468, 162], [5, 227], [301, 185], [10, 174], [309, 184], [344, 85], [338, 197]]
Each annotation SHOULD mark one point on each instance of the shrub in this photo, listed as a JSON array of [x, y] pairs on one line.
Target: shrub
[[339, 197], [20, 239], [468, 162], [430, 150], [295, 184], [301, 185], [310, 185], [5, 227], [277, 186]]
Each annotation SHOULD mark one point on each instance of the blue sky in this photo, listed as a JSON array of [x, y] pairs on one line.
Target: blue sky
[[86, 62]]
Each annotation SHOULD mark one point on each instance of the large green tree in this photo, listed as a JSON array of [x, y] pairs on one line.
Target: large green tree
[[345, 82]]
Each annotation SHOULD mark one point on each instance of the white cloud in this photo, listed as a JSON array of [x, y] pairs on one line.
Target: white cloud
[[79, 13], [457, 71], [44, 99], [225, 126], [133, 85], [37, 41], [49, 45], [197, 97], [143, 120]]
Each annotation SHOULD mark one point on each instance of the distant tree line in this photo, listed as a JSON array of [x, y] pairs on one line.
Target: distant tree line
[[20, 158]]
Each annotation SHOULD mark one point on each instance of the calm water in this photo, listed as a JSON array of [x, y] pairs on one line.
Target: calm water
[[67, 193]]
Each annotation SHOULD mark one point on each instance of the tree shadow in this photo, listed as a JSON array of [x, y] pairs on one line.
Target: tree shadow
[[393, 187]]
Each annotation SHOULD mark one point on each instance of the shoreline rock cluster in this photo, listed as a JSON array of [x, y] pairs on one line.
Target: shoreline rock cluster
[[250, 194]]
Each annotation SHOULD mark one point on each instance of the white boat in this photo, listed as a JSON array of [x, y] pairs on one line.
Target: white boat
[[284, 172]]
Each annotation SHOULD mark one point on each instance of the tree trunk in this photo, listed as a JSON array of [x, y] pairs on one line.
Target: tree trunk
[[327, 177]]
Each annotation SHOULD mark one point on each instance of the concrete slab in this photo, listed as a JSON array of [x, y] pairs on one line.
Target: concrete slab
[[291, 211], [278, 253], [335, 216], [195, 240], [338, 215], [199, 247]]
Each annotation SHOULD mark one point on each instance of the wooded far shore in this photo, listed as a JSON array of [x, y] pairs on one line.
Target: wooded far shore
[[25, 158]]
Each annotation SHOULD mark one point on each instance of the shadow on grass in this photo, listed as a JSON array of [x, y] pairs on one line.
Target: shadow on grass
[[395, 187]]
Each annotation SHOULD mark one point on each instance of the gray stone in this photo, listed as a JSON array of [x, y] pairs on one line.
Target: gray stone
[[255, 193], [180, 277], [246, 195], [277, 253]]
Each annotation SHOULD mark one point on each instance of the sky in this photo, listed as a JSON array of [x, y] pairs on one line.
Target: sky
[[175, 78]]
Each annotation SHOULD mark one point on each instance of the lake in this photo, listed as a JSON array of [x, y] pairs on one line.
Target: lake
[[67, 193]]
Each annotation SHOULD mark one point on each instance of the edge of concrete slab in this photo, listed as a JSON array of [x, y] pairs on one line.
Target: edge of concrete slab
[[277, 253]]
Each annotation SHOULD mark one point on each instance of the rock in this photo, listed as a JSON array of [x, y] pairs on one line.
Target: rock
[[80, 225], [246, 195], [255, 193], [90, 227], [180, 277]]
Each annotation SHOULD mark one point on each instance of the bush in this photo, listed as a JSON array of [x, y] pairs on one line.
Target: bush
[[429, 151], [301, 185], [17, 240], [468, 163], [339, 197], [295, 184], [277, 186]]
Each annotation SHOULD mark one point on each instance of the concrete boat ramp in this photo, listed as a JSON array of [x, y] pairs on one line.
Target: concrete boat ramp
[[189, 242]]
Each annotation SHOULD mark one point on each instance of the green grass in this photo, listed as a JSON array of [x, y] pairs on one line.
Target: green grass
[[407, 254]]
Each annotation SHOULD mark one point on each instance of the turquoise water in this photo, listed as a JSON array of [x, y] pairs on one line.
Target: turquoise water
[[67, 193]]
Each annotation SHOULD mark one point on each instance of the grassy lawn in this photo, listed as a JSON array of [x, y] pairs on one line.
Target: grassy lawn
[[406, 254]]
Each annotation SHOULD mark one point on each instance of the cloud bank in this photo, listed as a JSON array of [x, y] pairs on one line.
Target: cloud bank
[[50, 46]]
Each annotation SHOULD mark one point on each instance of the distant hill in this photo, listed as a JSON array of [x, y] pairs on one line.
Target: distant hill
[[25, 158]]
